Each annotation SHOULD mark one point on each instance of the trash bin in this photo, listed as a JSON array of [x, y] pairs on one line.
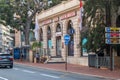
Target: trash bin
[[92, 60]]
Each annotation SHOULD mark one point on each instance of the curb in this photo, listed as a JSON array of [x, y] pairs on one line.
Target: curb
[[110, 78]]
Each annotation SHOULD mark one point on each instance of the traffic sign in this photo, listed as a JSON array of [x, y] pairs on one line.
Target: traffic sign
[[66, 42], [112, 35], [107, 29], [67, 39]]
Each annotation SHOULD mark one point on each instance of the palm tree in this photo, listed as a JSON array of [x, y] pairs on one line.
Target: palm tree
[[36, 45]]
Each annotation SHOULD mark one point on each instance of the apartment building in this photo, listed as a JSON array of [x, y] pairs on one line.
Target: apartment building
[[6, 41]]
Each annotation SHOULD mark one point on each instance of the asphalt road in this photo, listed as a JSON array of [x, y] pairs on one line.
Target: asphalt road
[[22, 72]]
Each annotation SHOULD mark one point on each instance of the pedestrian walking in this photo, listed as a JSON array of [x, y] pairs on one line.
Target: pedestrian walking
[[22, 56], [37, 57]]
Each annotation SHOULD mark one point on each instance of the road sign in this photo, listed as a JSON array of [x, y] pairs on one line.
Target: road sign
[[67, 39], [112, 35], [66, 42]]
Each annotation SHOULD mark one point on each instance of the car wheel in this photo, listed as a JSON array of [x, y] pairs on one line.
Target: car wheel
[[11, 66]]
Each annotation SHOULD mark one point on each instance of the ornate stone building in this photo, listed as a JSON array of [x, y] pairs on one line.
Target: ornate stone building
[[54, 24]]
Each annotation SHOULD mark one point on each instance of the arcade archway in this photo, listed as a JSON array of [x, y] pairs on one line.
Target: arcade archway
[[49, 42], [70, 31], [58, 40], [41, 35]]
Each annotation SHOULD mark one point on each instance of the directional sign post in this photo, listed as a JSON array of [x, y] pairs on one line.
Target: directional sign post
[[112, 37], [66, 41]]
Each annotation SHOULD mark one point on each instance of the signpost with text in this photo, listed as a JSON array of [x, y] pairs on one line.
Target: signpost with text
[[112, 37]]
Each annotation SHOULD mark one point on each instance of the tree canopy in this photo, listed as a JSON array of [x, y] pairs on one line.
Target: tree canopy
[[20, 14], [95, 20]]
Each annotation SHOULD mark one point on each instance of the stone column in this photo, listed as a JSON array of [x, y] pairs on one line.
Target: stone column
[[53, 38], [31, 55], [64, 29], [45, 39], [77, 47]]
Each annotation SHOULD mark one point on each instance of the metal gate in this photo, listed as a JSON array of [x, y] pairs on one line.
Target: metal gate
[[103, 61]]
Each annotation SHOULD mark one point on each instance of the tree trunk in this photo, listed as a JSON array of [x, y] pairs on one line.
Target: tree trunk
[[27, 30]]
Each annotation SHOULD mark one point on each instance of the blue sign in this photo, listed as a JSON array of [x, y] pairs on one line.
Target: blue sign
[[108, 41], [72, 31], [67, 39], [107, 35], [107, 29], [66, 42]]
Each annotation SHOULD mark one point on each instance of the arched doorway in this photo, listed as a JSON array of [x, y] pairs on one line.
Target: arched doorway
[[41, 41], [70, 31], [41, 35], [49, 42], [58, 40]]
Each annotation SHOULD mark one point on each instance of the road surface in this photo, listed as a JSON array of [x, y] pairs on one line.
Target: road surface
[[22, 72]]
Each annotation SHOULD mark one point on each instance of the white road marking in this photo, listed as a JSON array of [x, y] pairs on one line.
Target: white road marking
[[28, 71], [49, 76], [3, 78], [16, 68]]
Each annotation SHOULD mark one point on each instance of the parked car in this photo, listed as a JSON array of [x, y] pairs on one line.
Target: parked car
[[6, 59]]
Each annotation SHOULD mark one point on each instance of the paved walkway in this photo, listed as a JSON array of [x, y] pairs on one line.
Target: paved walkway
[[115, 75]]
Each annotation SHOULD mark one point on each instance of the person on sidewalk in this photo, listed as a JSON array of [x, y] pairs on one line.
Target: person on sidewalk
[[37, 57], [22, 56]]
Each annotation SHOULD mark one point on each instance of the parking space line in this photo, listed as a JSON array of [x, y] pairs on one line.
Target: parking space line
[[3, 78], [16, 68]]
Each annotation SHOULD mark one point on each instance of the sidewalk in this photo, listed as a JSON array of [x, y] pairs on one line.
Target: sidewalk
[[76, 69]]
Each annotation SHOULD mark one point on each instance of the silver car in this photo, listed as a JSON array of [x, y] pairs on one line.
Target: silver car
[[6, 60]]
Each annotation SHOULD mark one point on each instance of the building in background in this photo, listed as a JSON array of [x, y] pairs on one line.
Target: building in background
[[6, 41], [20, 46]]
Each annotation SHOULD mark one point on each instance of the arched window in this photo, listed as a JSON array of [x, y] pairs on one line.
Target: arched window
[[41, 34], [71, 42], [58, 29], [49, 33]]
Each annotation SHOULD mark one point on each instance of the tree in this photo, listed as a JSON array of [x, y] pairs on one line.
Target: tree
[[36, 45], [6, 12], [94, 19], [20, 14]]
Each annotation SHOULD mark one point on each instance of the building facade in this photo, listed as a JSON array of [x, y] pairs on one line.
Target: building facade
[[5, 38], [54, 24]]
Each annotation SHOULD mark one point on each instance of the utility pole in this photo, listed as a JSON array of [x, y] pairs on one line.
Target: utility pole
[[108, 24]]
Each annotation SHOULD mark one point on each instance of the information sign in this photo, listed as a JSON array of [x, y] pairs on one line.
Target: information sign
[[112, 35], [67, 39]]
